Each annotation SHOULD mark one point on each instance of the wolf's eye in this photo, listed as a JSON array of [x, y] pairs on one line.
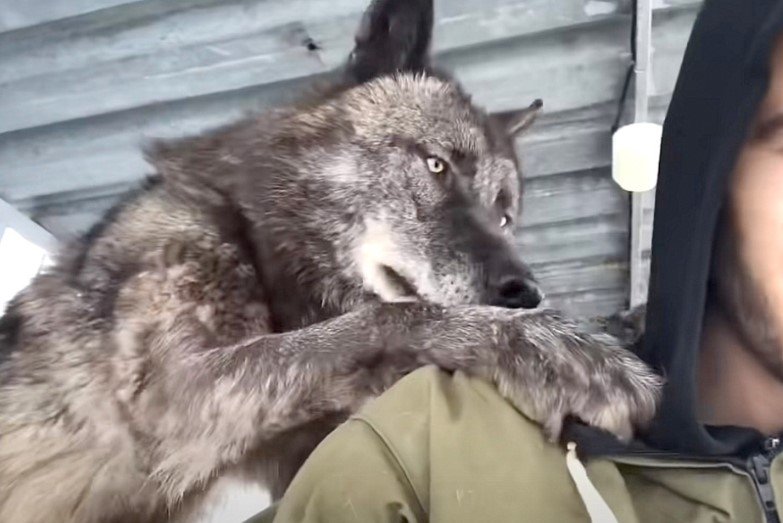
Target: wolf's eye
[[504, 221], [436, 165]]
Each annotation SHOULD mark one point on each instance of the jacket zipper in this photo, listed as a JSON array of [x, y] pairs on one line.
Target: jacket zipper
[[758, 466]]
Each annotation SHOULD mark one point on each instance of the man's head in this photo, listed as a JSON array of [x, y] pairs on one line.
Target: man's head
[[748, 270]]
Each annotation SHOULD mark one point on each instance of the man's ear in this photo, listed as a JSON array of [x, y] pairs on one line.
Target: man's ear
[[394, 35], [517, 122]]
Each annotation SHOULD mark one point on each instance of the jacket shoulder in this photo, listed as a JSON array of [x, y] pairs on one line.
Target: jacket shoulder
[[430, 395], [430, 416]]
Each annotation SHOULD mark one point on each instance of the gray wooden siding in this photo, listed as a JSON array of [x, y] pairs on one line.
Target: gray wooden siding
[[83, 83]]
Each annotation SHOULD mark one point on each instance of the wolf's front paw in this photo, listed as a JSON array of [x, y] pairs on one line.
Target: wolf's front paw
[[553, 371]]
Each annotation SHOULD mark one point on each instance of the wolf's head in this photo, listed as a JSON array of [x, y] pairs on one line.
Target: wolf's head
[[392, 184], [440, 189], [441, 180]]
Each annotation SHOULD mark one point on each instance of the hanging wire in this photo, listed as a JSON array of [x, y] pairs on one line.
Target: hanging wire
[[629, 72]]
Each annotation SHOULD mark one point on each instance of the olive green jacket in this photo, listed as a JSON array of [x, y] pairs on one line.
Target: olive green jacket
[[448, 448]]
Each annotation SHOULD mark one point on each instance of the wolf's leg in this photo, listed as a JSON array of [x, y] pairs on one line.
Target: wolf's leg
[[220, 403]]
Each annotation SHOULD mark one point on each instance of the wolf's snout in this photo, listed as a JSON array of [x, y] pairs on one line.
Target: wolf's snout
[[517, 292]]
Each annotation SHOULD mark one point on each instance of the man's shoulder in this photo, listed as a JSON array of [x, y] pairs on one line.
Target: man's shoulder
[[455, 435], [430, 391], [430, 403], [431, 416]]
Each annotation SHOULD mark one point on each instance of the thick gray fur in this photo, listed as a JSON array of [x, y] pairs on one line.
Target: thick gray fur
[[272, 277]]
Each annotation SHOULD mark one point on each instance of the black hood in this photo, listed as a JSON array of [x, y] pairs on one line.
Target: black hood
[[723, 79]]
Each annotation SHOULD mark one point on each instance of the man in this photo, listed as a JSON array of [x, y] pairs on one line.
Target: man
[[448, 448]]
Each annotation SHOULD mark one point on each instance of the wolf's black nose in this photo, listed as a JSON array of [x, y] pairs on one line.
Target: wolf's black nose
[[515, 292]]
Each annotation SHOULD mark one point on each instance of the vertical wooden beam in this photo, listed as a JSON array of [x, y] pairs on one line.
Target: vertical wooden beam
[[642, 74]]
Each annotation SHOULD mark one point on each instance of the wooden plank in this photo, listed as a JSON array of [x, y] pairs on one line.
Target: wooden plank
[[571, 69], [575, 140], [80, 154], [599, 237], [179, 74], [577, 67], [16, 14], [71, 214], [589, 304], [567, 151], [581, 276], [152, 26], [570, 197], [568, 207], [43, 160]]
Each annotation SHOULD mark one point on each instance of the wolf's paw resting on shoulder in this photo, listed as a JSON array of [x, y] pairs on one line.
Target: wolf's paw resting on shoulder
[[551, 370]]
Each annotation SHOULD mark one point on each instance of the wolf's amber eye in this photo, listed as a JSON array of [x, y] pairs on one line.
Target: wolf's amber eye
[[436, 165]]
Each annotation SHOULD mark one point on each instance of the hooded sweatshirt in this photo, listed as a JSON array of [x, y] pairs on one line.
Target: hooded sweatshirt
[[448, 448], [723, 79]]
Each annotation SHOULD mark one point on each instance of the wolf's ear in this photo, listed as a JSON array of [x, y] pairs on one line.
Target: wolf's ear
[[516, 122], [394, 35]]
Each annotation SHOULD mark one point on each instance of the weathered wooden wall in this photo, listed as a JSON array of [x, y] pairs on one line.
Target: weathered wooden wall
[[83, 83]]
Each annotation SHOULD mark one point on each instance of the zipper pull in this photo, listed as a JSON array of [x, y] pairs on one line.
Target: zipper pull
[[758, 466], [772, 446]]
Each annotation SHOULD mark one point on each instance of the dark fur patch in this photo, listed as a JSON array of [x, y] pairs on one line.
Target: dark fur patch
[[10, 330], [95, 232]]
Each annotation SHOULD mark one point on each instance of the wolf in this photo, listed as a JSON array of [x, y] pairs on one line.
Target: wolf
[[271, 277]]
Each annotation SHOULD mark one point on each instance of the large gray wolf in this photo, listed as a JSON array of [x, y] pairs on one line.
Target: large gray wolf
[[273, 276]]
